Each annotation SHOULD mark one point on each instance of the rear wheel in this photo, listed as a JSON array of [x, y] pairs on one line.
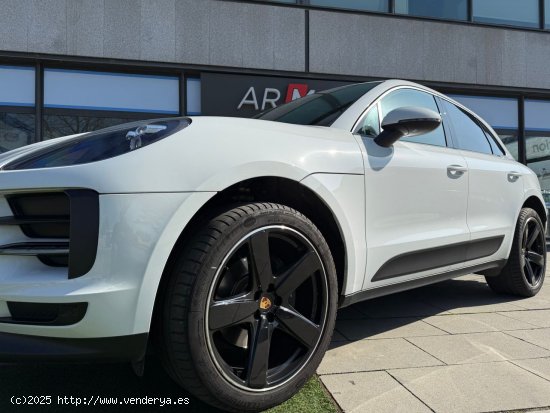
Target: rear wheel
[[524, 272], [250, 308]]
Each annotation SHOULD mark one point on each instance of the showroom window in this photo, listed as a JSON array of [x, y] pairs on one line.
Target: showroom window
[[441, 9], [409, 97], [534, 14], [500, 113], [17, 120], [78, 101], [524, 13], [537, 141], [368, 5], [193, 96]]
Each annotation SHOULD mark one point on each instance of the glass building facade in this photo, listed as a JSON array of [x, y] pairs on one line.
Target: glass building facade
[[439, 9], [43, 97], [533, 14], [76, 101]]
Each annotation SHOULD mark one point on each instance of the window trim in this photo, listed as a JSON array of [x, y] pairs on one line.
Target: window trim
[[491, 137], [17, 109], [372, 107]]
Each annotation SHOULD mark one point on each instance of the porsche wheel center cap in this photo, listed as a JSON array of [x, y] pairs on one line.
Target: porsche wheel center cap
[[265, 303]]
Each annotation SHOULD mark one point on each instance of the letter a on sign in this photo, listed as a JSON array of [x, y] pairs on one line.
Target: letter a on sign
[[249, 99]]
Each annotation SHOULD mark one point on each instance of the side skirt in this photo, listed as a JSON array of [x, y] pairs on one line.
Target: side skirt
[[347, 300], [432, 258]]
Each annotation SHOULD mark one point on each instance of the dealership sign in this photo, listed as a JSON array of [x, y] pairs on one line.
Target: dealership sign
[[537, 147], [246, 96]]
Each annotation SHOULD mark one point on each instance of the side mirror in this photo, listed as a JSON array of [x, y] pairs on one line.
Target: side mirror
[[406, 121]]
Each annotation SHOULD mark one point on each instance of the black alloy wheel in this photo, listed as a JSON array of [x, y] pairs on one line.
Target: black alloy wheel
[[524, 271], [248, 307], [267, 308], [533, 252]]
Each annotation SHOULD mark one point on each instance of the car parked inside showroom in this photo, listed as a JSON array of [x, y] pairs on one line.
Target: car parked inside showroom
[[227, 245]]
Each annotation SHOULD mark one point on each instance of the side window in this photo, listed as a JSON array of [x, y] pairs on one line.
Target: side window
[[410, 97], [467, 133], [371, 123]]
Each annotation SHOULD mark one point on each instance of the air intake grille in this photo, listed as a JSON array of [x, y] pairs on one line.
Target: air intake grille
[[42, 215], [63, 227]]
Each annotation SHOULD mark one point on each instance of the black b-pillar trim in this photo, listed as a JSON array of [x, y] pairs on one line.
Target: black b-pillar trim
[[84, 230]]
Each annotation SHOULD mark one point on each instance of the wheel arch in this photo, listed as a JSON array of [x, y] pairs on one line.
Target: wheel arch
[[264, 189], [535, 203]]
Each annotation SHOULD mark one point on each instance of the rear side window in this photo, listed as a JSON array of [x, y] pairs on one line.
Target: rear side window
[[410, 97], [468, 135]]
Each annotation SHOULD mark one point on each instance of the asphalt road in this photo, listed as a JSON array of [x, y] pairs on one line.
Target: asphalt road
[[88, 381]]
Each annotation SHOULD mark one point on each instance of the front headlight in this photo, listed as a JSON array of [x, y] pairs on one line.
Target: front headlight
[[101, 144]]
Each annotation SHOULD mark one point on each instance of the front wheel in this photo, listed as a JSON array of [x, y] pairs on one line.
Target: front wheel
[[524, 272], [250, 308]]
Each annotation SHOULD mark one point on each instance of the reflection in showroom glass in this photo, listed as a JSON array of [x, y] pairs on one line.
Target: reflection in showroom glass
[[16, 130], [63, 125]]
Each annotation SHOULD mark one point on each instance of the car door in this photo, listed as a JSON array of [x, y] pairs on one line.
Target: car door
[[495, 185], [416, 198]]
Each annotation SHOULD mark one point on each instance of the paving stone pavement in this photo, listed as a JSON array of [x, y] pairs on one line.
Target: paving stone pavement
[[449, 347]]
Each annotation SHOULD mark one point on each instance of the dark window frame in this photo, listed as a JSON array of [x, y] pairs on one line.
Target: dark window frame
[[493, 142]]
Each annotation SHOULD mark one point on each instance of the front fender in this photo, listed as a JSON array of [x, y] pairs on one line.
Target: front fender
[[192, 203], [344, 195]]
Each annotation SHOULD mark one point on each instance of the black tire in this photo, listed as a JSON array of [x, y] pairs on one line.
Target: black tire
[[197, 352], [523, 274]]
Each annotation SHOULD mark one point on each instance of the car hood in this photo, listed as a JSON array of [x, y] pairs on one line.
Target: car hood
[[208, 155]]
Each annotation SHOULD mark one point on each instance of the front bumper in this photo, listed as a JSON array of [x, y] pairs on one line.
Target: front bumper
[[119, 289]]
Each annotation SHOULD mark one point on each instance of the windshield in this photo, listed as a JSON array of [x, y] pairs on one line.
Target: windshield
[[321, 108]]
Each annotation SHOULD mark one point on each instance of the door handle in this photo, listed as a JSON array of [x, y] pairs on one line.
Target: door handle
[[455, 171], [513, 176]]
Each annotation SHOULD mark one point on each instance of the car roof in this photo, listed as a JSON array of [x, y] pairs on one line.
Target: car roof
[[355, 111], [349, 118]]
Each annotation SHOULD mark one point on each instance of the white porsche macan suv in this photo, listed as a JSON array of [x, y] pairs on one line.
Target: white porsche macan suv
[[227, 245]]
